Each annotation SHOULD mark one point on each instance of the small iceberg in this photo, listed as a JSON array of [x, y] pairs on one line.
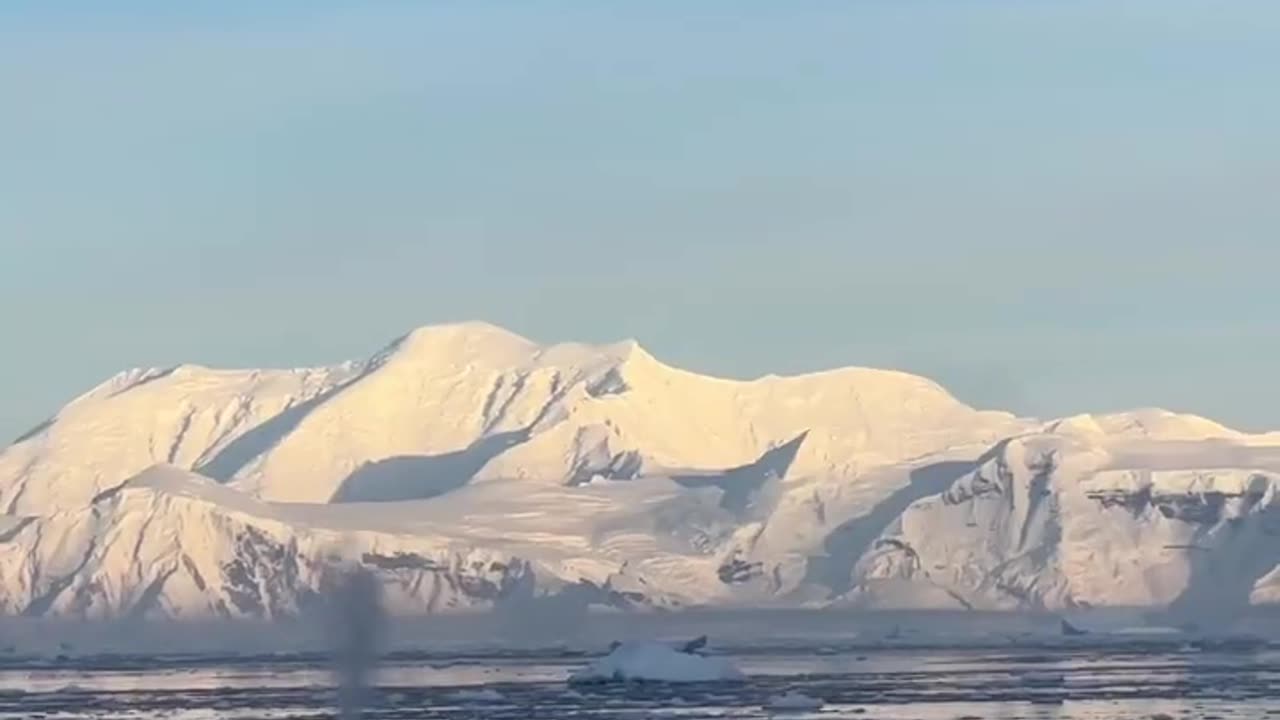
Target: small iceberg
[[655, 662], [794, 701], [484, 695]]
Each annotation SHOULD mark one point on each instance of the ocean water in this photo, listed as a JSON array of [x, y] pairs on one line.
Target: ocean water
[[1114, 682]]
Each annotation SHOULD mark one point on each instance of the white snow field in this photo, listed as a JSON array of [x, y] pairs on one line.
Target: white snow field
[[470, 468]]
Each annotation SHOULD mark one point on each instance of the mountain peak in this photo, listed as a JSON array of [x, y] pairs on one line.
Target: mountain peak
[[462, 339], [488, 345], [467, 331]]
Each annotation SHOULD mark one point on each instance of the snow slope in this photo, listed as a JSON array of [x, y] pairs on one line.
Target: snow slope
[[471, 468], [171, 544], [1077, 518]]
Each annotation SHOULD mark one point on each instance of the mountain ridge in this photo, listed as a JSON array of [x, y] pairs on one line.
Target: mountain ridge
[[472, 468], [442, 390]]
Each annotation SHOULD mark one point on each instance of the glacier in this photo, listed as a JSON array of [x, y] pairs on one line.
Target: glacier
[[472, 470]]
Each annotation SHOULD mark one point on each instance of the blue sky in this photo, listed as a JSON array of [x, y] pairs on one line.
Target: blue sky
[[1049, 206]]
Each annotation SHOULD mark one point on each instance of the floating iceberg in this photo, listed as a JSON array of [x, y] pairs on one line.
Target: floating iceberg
[[484, 695], [794, 702], [655, 662]]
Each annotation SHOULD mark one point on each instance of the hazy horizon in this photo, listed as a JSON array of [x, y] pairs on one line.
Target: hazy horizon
[[1049, 208]]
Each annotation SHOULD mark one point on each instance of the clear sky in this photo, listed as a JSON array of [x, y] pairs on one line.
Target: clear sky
[[1050, 206]]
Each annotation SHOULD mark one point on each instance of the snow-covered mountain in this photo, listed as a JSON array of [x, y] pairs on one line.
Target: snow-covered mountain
[[471, 468], [1077, 518]]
